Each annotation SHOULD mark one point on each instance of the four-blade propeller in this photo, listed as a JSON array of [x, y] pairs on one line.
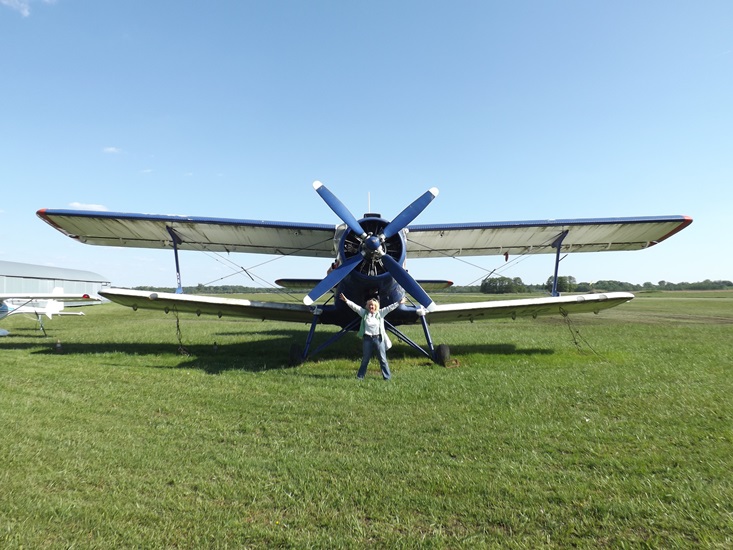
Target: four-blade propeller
[[372, 247]]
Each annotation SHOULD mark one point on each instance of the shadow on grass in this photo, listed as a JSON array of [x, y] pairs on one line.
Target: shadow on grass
[[497, 349], [270, 352]]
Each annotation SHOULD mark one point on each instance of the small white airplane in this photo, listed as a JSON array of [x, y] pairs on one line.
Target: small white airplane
[[368, 258], [39, 304]]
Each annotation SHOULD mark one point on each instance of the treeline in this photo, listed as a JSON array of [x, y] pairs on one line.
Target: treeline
[[490, 285], [505, 285], [707, 284]]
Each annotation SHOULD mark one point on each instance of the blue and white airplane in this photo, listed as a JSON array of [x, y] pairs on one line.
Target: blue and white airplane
[[368, 256], [39, 304]]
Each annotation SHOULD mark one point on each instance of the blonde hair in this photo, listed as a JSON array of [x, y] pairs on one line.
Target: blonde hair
[[376, 302]]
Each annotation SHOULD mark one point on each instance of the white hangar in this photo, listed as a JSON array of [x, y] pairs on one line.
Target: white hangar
[[19, 277]]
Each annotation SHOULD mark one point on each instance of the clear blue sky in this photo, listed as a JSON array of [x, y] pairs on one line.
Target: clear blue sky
[[514, 110]]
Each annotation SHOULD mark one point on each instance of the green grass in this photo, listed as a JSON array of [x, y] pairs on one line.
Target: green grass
[[612, 431]]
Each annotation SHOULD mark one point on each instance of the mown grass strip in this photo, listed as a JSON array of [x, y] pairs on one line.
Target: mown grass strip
[[533, 441]]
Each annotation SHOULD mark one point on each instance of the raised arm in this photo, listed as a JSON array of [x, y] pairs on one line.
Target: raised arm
[[391, 307], [358, 309]]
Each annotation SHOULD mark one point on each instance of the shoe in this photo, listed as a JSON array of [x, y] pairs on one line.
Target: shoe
[[360, 378]]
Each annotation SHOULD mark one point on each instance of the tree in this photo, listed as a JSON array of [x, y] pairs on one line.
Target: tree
[[502, 285], [564, 284]]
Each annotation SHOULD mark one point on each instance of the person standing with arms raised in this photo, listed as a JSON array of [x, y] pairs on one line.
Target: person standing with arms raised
[[374, 334]]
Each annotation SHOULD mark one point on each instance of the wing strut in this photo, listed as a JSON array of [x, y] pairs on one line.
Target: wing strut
[[558, 245], [176, 241], [40, 324]]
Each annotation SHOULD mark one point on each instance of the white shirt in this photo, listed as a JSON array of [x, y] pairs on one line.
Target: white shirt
[[371, 325], [371, 322]]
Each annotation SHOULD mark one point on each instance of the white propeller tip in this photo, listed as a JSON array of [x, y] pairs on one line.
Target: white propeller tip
[[307, 301], [317, 185], [434, 191], [431, 306]]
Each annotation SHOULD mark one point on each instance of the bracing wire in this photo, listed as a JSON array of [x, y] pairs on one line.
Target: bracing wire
[[249, 271], [576, 335], [489, 272], [182, 350], [237, 270]]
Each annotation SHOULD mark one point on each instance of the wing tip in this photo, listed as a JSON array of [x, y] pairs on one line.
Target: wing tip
[[686, 220]]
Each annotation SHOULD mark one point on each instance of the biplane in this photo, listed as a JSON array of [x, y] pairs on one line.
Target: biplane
[[368, 258]]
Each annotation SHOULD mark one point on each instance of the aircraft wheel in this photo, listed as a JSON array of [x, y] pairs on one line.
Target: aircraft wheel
[[442, 354], [296, 355]]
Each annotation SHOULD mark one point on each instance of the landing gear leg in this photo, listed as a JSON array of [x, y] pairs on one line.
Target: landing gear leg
[[439, 355], [298, 356]]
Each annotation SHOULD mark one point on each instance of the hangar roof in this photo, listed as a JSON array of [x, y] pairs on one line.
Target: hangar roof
[[31, 271]]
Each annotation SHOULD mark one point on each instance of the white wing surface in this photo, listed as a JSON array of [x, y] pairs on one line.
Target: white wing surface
[[275, 311], [192, 233], [315, 240], [211, 305], [538, 237], [528, 307]]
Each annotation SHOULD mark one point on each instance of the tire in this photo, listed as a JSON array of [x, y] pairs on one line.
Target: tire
[[442, 355], [296, 355]]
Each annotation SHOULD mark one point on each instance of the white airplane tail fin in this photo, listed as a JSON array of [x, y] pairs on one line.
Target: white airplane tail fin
[[53, 307]]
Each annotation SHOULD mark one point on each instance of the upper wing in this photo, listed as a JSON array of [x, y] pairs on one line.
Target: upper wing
[[528, 307], [537, 237], [272, 311], [190, 233], [315, 240]]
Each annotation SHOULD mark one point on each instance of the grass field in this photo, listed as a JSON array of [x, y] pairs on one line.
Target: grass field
[[612, 431]]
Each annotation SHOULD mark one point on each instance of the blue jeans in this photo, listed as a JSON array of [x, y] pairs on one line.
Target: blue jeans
[[374, 345]]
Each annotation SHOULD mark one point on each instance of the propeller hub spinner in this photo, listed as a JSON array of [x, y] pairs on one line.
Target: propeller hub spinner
[[372, 247]]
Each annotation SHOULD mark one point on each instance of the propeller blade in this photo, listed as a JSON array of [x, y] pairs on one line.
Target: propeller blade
[[338, 207], [406, 281], [332, 279], [410, 213]]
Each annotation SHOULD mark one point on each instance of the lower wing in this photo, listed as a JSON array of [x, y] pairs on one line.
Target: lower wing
[[528, 307], [299, 313], [211, 305]]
